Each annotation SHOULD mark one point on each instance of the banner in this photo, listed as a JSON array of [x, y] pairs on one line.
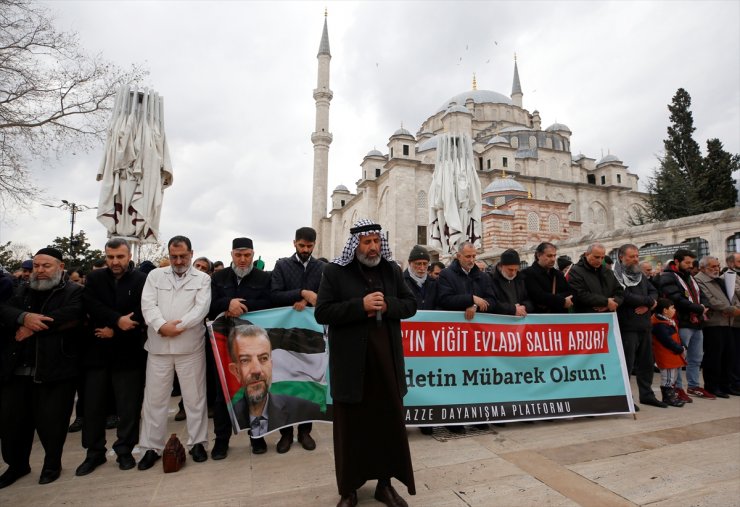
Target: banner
[[495, 368]]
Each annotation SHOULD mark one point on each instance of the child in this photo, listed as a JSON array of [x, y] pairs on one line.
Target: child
[[669, 352]]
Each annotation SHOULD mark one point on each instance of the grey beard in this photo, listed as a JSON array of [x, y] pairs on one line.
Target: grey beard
[[242, 272], [633, 269], [364, 260], [42, 285], [507, 276]]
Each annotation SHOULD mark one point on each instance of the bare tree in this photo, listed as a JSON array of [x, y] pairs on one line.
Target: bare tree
[[53, 95], [154, 252]]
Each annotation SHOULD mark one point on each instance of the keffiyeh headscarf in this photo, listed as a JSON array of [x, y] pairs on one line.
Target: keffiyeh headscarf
[[363, 227], [627, 277]]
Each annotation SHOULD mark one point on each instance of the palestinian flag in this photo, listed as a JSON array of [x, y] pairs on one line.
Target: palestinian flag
[[299, 355]]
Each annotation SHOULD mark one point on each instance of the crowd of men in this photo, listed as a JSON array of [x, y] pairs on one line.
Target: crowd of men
[[127, 333]]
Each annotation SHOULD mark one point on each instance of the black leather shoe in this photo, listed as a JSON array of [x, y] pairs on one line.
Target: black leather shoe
[[719, 393], [284, 444], [220, 450], [48, 475], [654, 402], [199, 454], [125, 461], [76, 425], [181, 415], [11, 475], [307, 441], [90, 464], [149, 459], [259, 446], [348, 500], [387, 495], [637, 407], [733, 391]]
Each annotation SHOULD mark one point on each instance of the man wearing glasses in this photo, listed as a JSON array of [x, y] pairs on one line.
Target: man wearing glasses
[[174, 302]]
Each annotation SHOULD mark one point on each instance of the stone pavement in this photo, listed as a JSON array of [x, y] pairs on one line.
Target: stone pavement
[[669, 457]]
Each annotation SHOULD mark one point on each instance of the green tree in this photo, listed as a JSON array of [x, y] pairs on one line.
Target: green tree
[[686, 183], [718, 187], [77, 253]]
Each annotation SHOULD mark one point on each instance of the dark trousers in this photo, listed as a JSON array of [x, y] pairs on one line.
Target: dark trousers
[[735, 374], [128, 390], [638, 354], [222, 426], [42, 407], [718, 355]]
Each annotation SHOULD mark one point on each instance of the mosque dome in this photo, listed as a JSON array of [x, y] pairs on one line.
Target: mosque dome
[[504, 185], [478, 96], [498, 140], [374, 153], [458, 109], [341, 188], [555, 127], [609, 158], [429, 144], [402, 132], [518, 128]]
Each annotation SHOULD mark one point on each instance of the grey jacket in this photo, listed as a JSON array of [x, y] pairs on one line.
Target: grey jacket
[[719, 305]]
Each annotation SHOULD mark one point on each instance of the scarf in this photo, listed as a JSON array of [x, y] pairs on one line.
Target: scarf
[[624, 277], [362, 227]]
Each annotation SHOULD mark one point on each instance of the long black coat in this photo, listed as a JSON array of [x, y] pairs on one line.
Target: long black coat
[[539, 283], [56, 349], [107, 300], [340, 306], [642, 294], [456, 289], [502, 291], [426, 295], [254, 289], [593, 287]]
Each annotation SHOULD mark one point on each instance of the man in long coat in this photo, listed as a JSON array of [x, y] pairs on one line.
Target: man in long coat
[[363, 298]]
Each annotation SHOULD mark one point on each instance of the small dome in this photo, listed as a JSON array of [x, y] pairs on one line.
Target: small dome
[[504, 185], [429, 144], [555, 127], [458, 109], [498, 140], [515, 129], [578, 157], [374, 153], [402, 132], [341, 188], [609, 158]]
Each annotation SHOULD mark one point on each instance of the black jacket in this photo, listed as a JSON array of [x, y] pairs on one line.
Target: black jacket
[[106, 301], [456, 289], [689, 314], [539, 283], [289, 278], [282, 410], [593, 287], [340, 306], [426, 295], [642, 294], [509, 293], [254, 289], [55, 350]]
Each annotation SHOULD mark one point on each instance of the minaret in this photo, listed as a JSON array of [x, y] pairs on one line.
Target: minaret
[[516, 87], [321, 138]]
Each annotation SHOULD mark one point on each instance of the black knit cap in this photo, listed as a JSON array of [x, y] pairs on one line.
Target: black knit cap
[[509, 257], [240, 243], [51, 252], [419, 253]]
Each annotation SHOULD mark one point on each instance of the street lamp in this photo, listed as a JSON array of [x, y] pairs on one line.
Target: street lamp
[[73, 208]]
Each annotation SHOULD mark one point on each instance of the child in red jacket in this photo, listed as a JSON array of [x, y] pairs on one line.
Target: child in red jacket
[[669, 352]]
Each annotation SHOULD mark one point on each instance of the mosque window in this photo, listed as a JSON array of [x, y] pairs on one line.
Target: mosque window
[[421, 234], [603, 180], [506, 226], [553, 224], [619, 178], [533, 221], [421, 199], [488, 163], [591, 178], [701, 246], [406, 149], [499, 200], [377, 169], [532, 142], [341, 203], [733, 243], [505, 162]]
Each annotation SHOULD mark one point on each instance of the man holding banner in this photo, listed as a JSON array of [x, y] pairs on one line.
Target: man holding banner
[[363, 298]]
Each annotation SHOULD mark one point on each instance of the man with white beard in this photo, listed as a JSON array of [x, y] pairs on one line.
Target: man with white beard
[[639, 298], [236, 290], [509, 290], [174, 302], [41, 340]]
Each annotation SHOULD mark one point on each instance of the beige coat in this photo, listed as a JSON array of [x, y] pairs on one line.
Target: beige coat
[[714, 290], [162, 301]]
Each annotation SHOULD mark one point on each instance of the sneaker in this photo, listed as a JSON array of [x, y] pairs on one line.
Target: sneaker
[[701, 393], [681, 395]]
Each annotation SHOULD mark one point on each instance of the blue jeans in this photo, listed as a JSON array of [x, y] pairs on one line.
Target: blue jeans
[[693, 340]]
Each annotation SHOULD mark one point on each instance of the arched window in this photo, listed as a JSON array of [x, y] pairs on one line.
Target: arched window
[[506, 226], [700, 245], [553, 223], [421, 199], [533, 221], [733, 244]]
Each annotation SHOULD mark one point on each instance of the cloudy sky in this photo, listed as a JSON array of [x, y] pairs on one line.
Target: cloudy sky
[[237, 78]]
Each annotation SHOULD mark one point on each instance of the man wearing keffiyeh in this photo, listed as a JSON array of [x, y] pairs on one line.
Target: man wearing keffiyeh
[[362, 298]]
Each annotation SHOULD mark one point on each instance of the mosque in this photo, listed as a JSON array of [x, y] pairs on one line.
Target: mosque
[[534, 188]]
